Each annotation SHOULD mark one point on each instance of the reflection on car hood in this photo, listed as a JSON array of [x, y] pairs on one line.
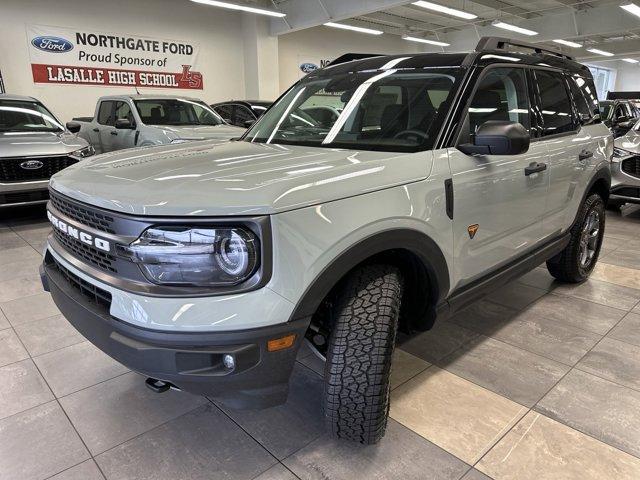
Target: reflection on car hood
[[233, 178], [32, 144], [630, 141], [203, 132]]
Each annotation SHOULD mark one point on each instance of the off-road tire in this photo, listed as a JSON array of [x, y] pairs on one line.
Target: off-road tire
[[566, 266], [358, 366]]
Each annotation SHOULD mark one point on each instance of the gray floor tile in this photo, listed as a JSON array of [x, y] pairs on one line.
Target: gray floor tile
[[277, 472], [602, 409], [79, 366], [614, 360], [577, 313], [539, 278], [601, 292], [11, 349], [20, 288], [475, 475], [39, 306], [27, 268], [38, 443], [22, 387], [435, 344], [519, 375], [115, 411], [87, 470], [400, 454], [26, 253], [516, 295], [284, 429], [628, 330], [483, 316], [4, 323], [624, 258], [10, 240], [198, 446], [35, 233], [49, 334]]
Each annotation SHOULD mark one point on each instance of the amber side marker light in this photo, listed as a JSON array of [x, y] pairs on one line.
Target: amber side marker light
[[281, 343]]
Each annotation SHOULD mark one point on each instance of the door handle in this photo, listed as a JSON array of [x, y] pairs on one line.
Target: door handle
[[113, 132], [96, 129], [535, 167], [584, 154]]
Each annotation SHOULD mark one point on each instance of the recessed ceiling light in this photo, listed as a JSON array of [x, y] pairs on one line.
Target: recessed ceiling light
[[442, 9], [630, 60], [631, 8], [513, 28], [370, 31], [600, 52], [568, 43], [424, 40], [244, 8]]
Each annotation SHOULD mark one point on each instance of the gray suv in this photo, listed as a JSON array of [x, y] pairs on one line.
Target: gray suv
[[443, 177], [625, 169]]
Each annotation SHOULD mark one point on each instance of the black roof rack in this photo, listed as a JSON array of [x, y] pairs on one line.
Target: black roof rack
[[500, 43], [348, 57]]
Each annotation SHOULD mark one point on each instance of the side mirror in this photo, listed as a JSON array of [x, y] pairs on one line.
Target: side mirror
[[124, 124], [248, 123], [73, 127], [498, 137]]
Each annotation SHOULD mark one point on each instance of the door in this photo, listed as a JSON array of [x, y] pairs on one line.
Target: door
[[102, 123], [498, 208], [123, 138], [560, 133]]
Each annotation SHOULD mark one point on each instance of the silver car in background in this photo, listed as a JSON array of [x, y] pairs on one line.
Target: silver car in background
[[34, 145], [625, 169]]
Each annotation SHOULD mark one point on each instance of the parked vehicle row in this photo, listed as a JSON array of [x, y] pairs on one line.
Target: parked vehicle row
[[619, 115]]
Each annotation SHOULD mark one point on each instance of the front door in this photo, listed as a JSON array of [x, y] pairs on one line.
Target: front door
[[498, 209], [123, 138]]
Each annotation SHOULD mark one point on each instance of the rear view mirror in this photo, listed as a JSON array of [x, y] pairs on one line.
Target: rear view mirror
[[124, 124], [498, 137], [73, 127]]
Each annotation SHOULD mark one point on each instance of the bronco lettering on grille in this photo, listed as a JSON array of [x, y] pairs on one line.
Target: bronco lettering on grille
[[73, 232]]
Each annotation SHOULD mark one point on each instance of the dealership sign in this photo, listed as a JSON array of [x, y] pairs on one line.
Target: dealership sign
[[86, 57]]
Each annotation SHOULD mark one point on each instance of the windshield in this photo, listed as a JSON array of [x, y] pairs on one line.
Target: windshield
[[391, 110], [25, 116], [176, 112]]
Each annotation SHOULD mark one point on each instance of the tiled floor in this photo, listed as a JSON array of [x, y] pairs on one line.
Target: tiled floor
[[538, 381]]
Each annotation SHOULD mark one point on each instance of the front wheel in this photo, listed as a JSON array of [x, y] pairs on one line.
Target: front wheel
[[576, 262], [359, 354]]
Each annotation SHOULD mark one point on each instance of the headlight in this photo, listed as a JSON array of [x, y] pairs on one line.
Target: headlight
[[198, 256], [84, 152], [620, 152]]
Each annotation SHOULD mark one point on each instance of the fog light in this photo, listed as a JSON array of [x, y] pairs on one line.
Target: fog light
[[281, 343], [229, 362]]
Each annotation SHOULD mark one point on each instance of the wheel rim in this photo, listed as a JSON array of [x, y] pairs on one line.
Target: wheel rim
[[589, 239]]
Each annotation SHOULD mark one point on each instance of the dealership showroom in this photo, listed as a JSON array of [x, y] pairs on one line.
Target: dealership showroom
[[320, 239]]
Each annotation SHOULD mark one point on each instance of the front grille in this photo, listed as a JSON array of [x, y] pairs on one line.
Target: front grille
[[21, 197], [86, 216], [95, 295], [90, 254], [11, 171], [631, 166], [632, 192]]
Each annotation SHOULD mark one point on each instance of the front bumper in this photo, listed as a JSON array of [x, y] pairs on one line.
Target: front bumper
[[192, 361], [625, 187], [13, 194]]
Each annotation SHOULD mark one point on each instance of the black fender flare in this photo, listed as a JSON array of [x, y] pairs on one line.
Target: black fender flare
[[416, 242]]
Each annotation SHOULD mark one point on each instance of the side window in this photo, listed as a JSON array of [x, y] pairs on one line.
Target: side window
[[243, 114], [224, 111], [501, 95], [588, 90], [555, 103], [104, 113], [123, 111], [585, 112]]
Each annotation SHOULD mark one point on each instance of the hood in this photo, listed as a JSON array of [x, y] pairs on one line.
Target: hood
[[203, 132], [630, 141], [32, 144], [233, 178]]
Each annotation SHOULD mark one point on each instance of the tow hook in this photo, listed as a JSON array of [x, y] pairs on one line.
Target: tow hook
[[159, 386]]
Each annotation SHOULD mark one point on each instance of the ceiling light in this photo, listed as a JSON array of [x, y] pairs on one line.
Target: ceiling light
[[631, 8], [630, 60], [244, 8], [424, 40], [442, 9], [568, 43], [513, 28], [370, 31], [600, 52]]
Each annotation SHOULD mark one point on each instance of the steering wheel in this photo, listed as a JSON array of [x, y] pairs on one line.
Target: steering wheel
[[410, 133]]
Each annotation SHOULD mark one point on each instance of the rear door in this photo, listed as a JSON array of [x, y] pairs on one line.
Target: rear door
[[497, 207]]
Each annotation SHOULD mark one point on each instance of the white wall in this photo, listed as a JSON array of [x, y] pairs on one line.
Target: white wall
[[324, 43], [628, 78], [218, 32]]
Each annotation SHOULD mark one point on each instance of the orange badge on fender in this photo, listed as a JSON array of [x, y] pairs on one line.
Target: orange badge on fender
[[472, 229]]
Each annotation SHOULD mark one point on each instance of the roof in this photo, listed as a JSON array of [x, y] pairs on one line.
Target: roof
[[10, 96], [148, 97]]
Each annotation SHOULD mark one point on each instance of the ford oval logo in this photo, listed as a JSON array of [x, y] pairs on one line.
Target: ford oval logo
[[32, 165], [52, 44], [308, 67]]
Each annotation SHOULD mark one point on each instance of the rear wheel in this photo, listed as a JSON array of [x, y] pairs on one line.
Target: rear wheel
[[359, 354], [576, 262]]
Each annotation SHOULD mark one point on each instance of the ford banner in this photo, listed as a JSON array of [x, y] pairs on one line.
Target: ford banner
[[87, 57]]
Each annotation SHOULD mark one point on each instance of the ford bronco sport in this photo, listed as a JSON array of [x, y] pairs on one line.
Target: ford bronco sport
[[204, 267]]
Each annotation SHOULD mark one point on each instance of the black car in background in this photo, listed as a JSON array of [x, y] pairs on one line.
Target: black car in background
[[619, 115], [241, 112]]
